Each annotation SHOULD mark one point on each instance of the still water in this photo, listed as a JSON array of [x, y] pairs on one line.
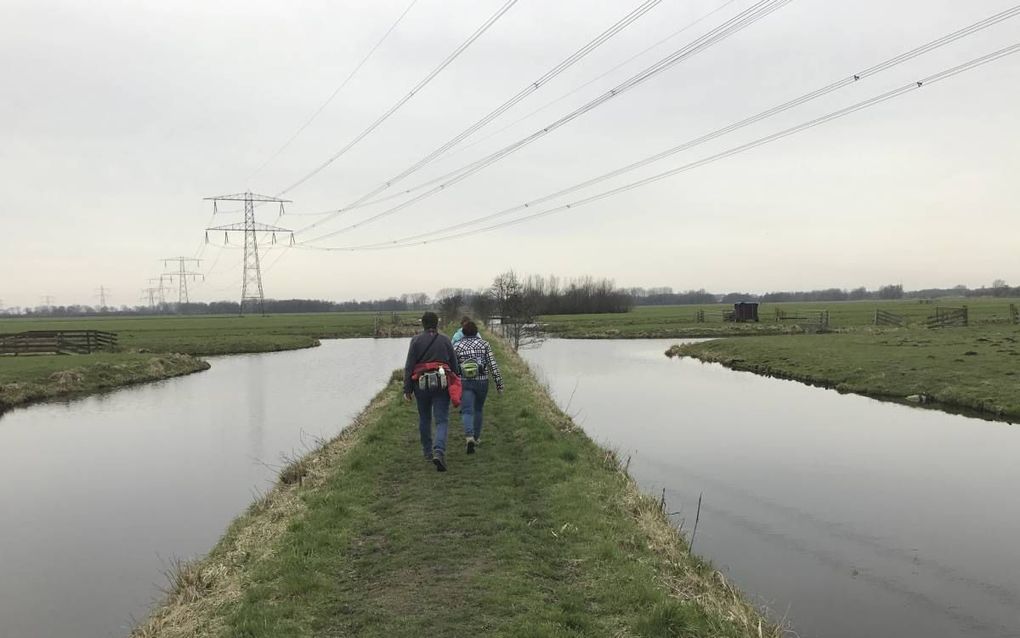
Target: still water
[[98, 495], [847, 516]]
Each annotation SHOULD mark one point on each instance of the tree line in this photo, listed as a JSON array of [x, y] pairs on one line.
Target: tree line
[[527, 296]]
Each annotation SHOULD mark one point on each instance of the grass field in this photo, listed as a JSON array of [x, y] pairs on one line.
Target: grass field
[[537, 534], [976, 368], [36, 378], [679, 321], [220, 334], [24, 379]]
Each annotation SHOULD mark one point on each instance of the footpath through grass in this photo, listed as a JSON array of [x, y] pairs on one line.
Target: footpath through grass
[[975, 368], [537, 534]]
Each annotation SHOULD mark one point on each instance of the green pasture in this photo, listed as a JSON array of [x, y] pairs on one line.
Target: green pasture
[[680, 321], [975, 368], [222, 334]]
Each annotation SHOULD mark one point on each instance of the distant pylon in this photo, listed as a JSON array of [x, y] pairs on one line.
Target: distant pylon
[[182, 276], [151, 292], [101, 292], [161, 280], [252, 294]]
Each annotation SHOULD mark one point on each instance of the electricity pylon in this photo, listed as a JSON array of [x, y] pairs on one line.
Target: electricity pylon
[[101, 292], [151, 292], [182, 275], [252, 294], [161, 290]]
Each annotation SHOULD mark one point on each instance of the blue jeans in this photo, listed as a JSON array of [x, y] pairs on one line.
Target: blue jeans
[[429, 402], [471, 406]]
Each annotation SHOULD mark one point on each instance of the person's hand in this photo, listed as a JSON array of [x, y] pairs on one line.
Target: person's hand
[[407, 396], [499, 391]]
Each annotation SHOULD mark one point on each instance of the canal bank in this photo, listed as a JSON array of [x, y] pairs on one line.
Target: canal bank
[[844, 515], [540, 533], [31, 379]]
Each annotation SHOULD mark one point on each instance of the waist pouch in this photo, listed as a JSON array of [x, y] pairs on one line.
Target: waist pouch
[[432, 381], [470, 369]]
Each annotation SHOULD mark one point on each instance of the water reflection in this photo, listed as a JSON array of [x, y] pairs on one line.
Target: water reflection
[[97, 495], [849, 516]]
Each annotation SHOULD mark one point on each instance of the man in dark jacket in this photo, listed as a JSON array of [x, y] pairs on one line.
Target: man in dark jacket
[[430, 347]]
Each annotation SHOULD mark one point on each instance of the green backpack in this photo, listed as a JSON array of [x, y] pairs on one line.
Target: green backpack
[[471, 368]]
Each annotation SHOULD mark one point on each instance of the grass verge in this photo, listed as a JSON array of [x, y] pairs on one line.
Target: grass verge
[[29, 379], [540, 533], [974, 369]]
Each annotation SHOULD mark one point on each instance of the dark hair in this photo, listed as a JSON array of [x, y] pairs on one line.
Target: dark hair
[[430, 320], [470, 329], [464, 319]]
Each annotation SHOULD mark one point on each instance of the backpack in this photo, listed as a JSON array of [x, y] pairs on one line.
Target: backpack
[[472, 368]]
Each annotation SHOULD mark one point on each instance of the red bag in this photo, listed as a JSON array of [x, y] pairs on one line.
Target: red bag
[[453, 384], [455, 388]]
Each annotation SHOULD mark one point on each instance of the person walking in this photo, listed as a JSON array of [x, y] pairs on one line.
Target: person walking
[[430, 373], [477, 364], [457, 336]]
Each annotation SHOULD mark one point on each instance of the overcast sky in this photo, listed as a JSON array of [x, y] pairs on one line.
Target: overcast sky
[[118, 117]]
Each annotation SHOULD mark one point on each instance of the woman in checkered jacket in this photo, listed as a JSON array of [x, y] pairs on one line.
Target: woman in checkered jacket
[[477, 364]]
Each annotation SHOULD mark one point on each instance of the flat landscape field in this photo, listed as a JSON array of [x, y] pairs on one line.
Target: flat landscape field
[[682, 321], [152, 348], [223, 334]]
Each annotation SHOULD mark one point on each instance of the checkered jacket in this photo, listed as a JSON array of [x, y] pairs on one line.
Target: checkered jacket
[[478, 349]]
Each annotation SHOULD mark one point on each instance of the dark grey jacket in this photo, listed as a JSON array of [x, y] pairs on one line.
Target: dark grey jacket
[[440, 351]]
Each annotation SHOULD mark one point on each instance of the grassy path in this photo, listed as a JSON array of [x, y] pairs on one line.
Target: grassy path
[[537, 534], [975, 368]]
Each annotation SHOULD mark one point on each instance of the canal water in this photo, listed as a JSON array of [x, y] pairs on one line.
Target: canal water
[[845, 516], [98, 495]]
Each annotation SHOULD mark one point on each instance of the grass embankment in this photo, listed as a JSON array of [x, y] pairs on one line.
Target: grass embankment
[[975, 368], [680, 322], [29, 379], [540, 533], [224, 334], [25, 379]]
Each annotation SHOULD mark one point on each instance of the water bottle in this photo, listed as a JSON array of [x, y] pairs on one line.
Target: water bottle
[[442, 377]]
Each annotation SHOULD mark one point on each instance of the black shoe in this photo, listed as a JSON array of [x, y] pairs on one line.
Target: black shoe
[[427, 455], [470, 445], [440, 460]]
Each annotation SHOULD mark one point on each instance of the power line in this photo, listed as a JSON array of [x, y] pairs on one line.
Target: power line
[[333, 95], [549, 75], [591, 81], [756, 12], [884, 97], [798, 101], [361, 204], [393, 109]]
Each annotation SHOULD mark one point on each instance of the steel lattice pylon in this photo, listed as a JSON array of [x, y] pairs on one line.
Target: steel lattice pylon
[[252, 293]]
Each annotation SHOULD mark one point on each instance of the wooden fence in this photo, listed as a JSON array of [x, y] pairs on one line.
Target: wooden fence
[[813, 317], [948, 317], [886, 318], [57, 342]]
